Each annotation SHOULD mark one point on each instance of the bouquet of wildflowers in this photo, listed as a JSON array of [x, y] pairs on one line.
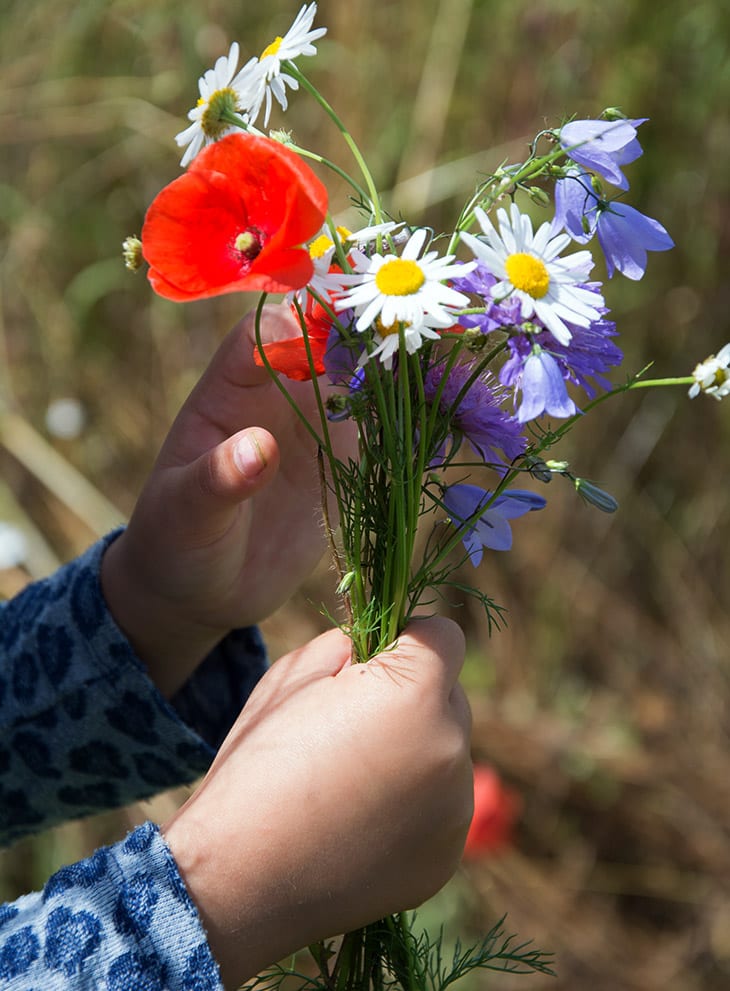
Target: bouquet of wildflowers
[[452, 353]]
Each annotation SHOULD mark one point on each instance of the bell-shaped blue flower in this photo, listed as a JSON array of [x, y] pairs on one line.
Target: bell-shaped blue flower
[[543, 388], [491, 527], [603, 146], [624, 233], [625, 236]]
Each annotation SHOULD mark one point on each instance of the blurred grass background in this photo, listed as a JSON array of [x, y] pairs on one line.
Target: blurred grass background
[[605, 702]]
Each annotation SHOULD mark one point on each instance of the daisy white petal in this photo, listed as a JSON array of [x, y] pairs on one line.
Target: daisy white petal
[[366, 235], [404, 288], [269, 80], [529, 268], [387, 339], [222, 95], [712, 375]]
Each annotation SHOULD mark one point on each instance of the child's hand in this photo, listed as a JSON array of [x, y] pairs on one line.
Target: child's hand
[[227, 526], [341, 795]]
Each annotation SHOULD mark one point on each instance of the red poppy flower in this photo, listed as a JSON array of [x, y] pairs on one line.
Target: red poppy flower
[[495, 810], [234, 222], [289, 355]]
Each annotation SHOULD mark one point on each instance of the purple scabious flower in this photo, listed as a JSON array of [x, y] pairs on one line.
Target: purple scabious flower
[[491, 527], [603, 146], [624, 234], [480, 282], [479, 415]]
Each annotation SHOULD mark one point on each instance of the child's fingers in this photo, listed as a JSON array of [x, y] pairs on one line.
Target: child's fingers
[[236, 469], [234, 362], [434, 646], [204, 494]]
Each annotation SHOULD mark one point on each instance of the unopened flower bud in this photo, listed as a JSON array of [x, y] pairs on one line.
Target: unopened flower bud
[[132, 252], [613, 113], [595, 496], [283, 137], [538, 469], [474, 340], [538, 196], [345, 583]]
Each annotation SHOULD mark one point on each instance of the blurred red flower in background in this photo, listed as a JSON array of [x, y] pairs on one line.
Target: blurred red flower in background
[[234, 222], [496, 809], [290, 354]]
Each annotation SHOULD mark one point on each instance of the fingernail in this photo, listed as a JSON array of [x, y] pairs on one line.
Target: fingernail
[[248, 456]]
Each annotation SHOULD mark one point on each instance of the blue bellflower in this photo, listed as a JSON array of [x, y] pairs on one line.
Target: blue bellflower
[[491, 528], [603, 146], [543, 388], [625, 234], [541, 367]]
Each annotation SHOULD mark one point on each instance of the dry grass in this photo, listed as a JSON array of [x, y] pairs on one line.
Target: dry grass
[[605, 701]]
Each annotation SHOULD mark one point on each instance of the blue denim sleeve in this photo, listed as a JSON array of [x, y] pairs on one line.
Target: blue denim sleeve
[[121, 920], [82, 727]]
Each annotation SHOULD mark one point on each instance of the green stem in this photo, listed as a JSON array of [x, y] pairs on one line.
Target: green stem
[[548, 441], [500, 184], [349, 140], [228, 117], [275, 378]]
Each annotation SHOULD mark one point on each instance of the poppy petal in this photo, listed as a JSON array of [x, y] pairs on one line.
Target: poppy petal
[[234, 222], [290, 357]]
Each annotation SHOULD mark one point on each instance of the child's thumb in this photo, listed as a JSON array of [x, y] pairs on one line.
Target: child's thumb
[[234, 470]]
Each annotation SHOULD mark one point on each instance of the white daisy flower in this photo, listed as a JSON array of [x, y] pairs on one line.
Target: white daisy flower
[[268, 79], [322, 252], [223, 92], [528, 267], [387, 339], [404, 288], [712, 375]]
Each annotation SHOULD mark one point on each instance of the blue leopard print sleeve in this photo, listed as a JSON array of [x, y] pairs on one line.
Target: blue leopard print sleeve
[[121, 920], [82, 729]]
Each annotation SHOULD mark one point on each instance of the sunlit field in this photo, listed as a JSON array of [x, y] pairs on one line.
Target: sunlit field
[[604, 703]]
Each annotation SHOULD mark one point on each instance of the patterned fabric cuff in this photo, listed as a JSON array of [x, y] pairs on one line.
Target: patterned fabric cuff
[[121, 919]]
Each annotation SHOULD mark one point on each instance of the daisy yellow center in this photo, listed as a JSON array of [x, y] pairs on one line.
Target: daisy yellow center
[[385, 330], [216, 116], [320, 246], [272, 49], [528, 273], [399, 277]]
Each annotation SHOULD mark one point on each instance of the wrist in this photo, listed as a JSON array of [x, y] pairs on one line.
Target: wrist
[[164, 638], [227, 882]]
